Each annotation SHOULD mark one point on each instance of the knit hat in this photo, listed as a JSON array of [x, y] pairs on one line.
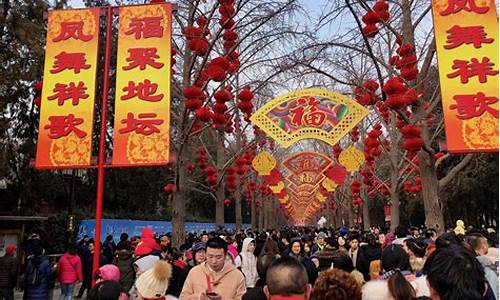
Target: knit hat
[[154, 282], [109, 272], [198, 246], [10, 249], [146, 262], [147, 243]]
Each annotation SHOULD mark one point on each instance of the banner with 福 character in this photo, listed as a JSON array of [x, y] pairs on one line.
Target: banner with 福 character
[[142, 100], [67, 106], [466, 34]]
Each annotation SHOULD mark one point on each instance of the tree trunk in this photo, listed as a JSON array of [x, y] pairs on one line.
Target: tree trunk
[[394, 198], [261, 217], [366, 214], [221, 160], [179, 208], [237, 207], [430, 189], [253, 216]]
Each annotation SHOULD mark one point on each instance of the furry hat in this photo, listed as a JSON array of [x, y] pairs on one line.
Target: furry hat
[[109, 272], [154, 282]]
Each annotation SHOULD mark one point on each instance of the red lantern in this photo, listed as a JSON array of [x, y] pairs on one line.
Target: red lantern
[[169, 188]]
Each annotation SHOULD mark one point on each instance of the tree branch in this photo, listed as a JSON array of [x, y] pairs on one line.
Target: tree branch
[[456, 169]]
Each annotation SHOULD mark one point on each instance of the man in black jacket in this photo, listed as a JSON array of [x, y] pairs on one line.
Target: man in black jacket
[[8, 273]]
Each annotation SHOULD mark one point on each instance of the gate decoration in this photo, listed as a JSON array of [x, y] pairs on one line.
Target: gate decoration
[[309, 114], [67, 107], [467, 49]]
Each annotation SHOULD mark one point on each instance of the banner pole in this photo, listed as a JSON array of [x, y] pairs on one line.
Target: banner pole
[[102, 144]]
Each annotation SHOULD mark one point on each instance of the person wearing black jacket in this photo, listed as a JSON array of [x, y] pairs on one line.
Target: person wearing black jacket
[[8, 274], [180, 270], [263, 263], [366, 254]]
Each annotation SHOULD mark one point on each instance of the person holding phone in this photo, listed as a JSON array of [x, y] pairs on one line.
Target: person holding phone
[[214, 279]]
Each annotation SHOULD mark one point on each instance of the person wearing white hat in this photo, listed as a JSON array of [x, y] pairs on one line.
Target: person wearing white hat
[[153, 283]]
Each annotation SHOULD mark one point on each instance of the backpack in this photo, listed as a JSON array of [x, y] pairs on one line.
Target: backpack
[[34, 277]]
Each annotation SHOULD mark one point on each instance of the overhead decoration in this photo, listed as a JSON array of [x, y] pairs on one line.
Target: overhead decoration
[[309, 114], [142, 100], [264, 163], [67, 100], [467, 47], [351, 159]]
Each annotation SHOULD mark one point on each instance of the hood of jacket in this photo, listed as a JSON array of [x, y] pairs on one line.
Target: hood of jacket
[[246, 243]]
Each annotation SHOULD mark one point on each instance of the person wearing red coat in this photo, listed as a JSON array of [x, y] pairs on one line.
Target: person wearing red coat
[[69, 272]]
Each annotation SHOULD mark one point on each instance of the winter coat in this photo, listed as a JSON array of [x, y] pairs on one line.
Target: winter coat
[[46, 272], [180, 271], [367, 254], [489, 273], [228, 283], [247, 263], [124, 261], [257, 293], [8, 274], [69, 269]]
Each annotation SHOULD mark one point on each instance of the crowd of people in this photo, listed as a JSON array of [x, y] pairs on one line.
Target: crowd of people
[[292, 263]]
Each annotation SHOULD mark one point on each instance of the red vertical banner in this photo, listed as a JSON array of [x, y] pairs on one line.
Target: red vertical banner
[[67, 107], [466, 34], [142, 101]]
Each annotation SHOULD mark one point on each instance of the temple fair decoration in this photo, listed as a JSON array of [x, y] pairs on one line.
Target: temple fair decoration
[[351, 159], [264, 163], [309, 114]]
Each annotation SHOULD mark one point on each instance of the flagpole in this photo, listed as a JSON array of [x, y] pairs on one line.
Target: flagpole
[[102, 144]]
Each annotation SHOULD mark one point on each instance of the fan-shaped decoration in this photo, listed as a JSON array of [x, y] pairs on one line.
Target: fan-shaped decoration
[[263, 163], [352, 158], [309, 114]]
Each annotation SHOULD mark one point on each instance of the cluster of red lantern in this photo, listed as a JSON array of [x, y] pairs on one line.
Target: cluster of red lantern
[[196, 36], [378, 14], [354, 134], [202, 158], [413, 187], [245, 105], [230, 37], [405, 62], [220, 118], [372, 144], [249, 191], [211, 173], [413, 142], [398, 94], [194, 99], [227, 202], [230, 179], [355, 190], [365, 95]]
